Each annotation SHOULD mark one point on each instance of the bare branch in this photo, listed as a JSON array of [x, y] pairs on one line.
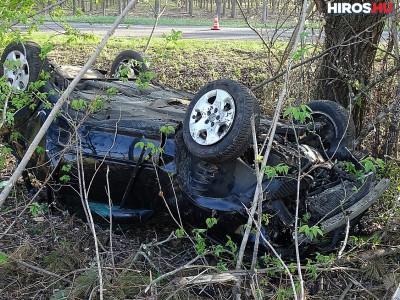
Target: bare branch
[[58, 105], [39, 270]]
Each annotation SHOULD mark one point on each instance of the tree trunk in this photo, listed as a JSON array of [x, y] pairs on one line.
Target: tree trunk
[[156, 7], [392, 139], [345, 70], [274, 3], [83, 6], [73, 7], [219, 7], [120, 6], [190, 8], [264, 12], [224, 8], [233, 9]]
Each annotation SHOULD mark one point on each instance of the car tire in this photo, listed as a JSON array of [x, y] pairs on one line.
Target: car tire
[[227, 105], [338, 135], [31, 65], [140, 63]]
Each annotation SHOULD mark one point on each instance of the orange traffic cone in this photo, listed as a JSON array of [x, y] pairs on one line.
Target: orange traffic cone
[[216, 23]]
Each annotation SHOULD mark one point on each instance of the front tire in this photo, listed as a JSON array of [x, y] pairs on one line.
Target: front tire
[[21, 64]]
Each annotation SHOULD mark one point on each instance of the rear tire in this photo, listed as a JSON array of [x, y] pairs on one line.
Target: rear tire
[[338, 134], [136, 61]]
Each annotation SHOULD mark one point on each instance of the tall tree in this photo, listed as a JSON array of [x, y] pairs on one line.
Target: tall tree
[[156, 7], [345, 70], [264, 12], [219, 7], [190, 8], [73, 7]]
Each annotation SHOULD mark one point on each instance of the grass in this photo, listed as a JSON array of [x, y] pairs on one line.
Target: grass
[[185, 65], [191, 46], [167, 21]]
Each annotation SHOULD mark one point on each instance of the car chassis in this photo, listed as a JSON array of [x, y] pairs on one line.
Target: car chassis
[[155, 152]]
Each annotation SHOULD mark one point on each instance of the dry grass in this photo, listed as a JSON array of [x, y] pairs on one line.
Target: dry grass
[[60, 242]]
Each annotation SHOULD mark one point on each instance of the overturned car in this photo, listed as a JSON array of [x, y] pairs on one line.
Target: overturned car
[[150, 152]]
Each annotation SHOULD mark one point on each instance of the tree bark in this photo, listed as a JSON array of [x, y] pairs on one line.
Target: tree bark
[[274, 3], [120, 6], [156, 7], [345, 70], [219, 7], [233, 8], [392, 144], [264, 12], [73, 7], [190, 8]]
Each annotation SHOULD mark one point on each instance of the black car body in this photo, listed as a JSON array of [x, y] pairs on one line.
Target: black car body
[[142, 150]]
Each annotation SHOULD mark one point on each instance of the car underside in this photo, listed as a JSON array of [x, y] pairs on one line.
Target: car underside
[[152, 152]]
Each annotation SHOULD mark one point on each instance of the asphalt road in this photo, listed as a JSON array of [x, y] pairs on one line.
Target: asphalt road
[[188, 32]]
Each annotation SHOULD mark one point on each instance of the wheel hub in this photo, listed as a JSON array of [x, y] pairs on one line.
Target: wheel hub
[[16, 69], [212, 117]]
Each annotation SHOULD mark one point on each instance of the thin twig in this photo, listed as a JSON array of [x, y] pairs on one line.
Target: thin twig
[[3, 120], [85, 203], [173, 272], [323, 53], [345, 238], [157, 17], [39, 270], [111, 219], [346, 290], [45, 9], [34, 144]]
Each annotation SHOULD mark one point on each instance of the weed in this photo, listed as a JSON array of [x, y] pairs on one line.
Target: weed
[[38, 209]]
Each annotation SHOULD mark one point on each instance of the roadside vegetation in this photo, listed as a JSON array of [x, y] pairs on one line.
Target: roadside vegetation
[[48, 252]]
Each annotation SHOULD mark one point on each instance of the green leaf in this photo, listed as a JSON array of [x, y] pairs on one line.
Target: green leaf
[[218, 250], [180, 232], [211, 222], [140, 145], [3, 258], [66, 168], [369, 165], [65, 178], [39, 150]]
